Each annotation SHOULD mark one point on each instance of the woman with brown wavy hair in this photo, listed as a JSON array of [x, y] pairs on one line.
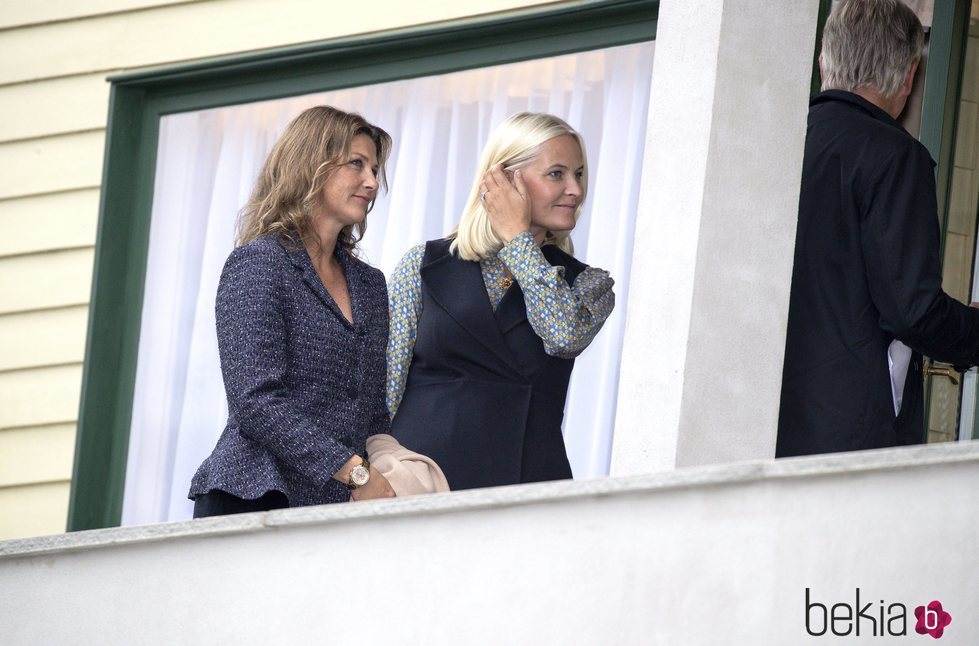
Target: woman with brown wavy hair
[[302, 327]]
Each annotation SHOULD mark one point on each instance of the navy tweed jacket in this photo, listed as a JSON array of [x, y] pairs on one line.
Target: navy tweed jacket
[[305, 387]]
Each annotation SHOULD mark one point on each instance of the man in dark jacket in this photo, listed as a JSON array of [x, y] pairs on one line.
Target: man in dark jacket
[[867, 297]]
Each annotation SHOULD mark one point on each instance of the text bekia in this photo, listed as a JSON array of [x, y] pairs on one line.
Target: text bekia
[[842, 619], [875, 619]]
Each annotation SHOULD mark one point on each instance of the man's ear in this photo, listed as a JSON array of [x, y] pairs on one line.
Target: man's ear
[[908, 82]]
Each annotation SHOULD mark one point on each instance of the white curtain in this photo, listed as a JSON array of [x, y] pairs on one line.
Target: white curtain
[[206, 164]]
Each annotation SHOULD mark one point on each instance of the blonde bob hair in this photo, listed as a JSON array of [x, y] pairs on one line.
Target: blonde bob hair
[[515, 143], [289, 186], [870, 44]]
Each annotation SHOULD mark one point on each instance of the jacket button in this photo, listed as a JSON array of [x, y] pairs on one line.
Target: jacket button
[[352, 392]]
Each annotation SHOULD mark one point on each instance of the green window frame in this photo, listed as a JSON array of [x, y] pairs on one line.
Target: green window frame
[[939, 118], [138, 101], [943, 85]]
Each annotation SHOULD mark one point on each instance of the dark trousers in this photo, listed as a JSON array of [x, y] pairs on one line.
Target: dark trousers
[[221, 503]]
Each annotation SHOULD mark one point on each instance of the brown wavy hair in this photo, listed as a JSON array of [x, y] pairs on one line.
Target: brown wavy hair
[[289, 186]]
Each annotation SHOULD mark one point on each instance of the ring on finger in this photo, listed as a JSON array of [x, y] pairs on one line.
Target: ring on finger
[[482, 196]]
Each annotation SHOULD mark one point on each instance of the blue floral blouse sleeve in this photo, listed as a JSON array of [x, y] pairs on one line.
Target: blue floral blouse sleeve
[[405, 304], [565, 318]]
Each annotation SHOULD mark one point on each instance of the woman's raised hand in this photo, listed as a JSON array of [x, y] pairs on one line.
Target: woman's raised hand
[[506, 202]]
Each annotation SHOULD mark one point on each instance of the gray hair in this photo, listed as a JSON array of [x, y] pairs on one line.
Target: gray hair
[[870, 44]]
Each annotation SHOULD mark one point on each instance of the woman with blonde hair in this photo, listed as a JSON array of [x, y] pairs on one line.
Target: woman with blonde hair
[[486, 323], [302, 327]]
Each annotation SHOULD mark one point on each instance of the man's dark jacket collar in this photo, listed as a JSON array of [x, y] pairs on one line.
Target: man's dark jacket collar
[[855, 99], [875, 112]]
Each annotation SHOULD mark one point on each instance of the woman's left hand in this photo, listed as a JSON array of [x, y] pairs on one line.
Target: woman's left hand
[[377, 487], [506, 202]]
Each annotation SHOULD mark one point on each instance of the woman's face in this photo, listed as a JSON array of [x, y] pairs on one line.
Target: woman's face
[[350, 188], [553, 181]]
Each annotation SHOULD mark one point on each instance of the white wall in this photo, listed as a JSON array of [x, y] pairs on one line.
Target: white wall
[[706, 555], [715, 231]]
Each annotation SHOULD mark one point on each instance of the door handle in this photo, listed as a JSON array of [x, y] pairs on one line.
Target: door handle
[[944, 372]]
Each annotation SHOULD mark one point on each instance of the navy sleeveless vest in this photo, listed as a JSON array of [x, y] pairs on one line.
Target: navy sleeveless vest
[[482, 398]]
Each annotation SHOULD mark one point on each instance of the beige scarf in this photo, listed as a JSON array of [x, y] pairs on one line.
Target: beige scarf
[[408, 472]]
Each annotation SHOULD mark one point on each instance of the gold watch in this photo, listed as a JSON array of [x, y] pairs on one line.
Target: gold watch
[[359, 475]]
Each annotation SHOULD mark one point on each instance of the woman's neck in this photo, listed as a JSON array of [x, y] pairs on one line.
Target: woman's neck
[[321, 240], [319, 248]]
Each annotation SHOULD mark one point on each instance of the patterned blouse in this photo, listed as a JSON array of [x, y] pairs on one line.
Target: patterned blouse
[[565, 318]]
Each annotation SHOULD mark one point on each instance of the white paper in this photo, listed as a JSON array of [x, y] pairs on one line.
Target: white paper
[[898, 358]]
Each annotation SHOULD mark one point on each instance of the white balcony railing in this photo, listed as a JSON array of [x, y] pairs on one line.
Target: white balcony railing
[[706, 555]]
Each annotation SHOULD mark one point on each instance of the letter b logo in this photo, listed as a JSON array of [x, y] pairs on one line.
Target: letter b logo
[[932, 619], [823, 623]]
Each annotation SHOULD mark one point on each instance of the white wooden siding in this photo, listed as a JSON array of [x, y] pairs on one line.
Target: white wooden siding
[[185, 32], [36, 454], [53, 106], [51, 164], [39, 223], [45, 280], [39, 396], [34, 509], [16, 13], [50, 337]]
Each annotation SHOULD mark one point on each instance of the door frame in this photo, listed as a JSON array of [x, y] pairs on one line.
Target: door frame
[[939, 118]]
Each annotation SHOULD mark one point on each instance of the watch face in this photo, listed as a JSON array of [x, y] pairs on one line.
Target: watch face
[[359, 475]]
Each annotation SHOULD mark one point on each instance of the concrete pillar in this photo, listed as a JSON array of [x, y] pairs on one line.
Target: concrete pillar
[[705, 329]]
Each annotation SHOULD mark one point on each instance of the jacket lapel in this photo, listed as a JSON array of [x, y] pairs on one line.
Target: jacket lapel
[[358, 286], [455, 285], [302, 262]]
